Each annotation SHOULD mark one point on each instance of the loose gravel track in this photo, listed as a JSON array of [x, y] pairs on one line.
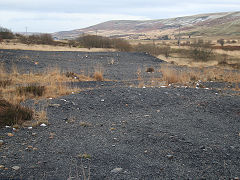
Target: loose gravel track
[[126, 132]]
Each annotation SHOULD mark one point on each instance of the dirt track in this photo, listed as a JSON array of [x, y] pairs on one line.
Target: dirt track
[[148, 133]]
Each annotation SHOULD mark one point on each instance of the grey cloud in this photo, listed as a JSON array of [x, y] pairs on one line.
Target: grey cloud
[[70, 14], [96, 6]]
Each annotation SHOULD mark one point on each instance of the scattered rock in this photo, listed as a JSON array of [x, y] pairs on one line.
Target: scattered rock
[[10, 134], [54, 105], [116, 170], [15, 168], [43, 125], [52, 135], [170, 156], [29, 148], [1, 142]]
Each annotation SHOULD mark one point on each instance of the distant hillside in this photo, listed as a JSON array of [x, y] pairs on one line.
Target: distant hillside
[[216, 24]]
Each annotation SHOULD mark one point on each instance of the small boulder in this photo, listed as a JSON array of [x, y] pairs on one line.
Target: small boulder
[[16, 168], [116, 170]]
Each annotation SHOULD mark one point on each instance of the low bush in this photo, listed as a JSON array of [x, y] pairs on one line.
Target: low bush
[[13, 114], [37, 39], [94, 41], [201, 51], [153, 49], [5, 34], [32, 89], [121, 45], [150, 70]]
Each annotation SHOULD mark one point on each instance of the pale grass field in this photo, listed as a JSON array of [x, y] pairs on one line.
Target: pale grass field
[[19, 46], [187, 62], [172, 75], [54, 83], [52, 79]]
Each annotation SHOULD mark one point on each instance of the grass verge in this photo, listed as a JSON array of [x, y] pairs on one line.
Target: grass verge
[[16, 88], [171, 75]]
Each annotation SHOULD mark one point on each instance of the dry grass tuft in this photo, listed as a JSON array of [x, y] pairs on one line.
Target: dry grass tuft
[[11, 114], [32, 89], [98, 76], [41, 117], [16, 87], [171, 74], [139, 78]]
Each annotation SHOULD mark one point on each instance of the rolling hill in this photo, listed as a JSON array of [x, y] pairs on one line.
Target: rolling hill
[[215, 24]]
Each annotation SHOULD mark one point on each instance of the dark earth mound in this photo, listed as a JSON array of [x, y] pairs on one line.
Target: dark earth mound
[[123, 132]]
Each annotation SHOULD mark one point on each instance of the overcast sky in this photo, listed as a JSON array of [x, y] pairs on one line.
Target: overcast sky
[[59, 15]]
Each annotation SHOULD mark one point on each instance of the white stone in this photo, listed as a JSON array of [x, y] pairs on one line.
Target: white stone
[[43, 125], [1, 142], [116, 170], [16, 168]]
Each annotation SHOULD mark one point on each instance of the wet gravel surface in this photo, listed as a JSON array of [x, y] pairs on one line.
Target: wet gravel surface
[[126, 132]]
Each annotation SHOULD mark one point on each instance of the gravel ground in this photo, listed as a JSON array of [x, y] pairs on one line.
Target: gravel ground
[[125, 132]]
